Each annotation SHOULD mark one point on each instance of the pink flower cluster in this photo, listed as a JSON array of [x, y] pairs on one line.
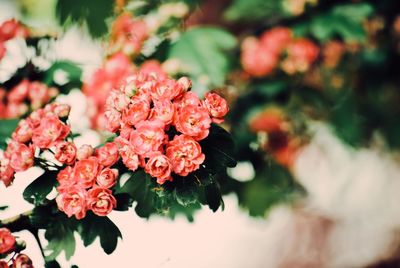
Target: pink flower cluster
[[160, 124], [128, 35], [25, 96], [111, 75], [7, 246], [41, 130], [260, 57], [84, 184], [9, 30]]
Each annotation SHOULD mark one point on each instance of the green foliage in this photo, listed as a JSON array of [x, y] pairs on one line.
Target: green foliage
[[272, 185], [60, 235], [343, 20], [7, 127], [68, 69], [203, 52], [253, 10], [93, 226], [60, 230], [93, 13], [36, 192]]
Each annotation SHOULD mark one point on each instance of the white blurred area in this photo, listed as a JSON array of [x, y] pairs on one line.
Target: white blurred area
[[350, 218]]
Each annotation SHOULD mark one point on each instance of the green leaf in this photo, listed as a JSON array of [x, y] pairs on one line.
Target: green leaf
[[68, 69], [52, 264], [344, 20], [202, 51], [186, 194], [2, 208], [124, 201], [93, 226], [219, 149], [60, 234], [213, 196], [141, 188], [253, 10], [93, 13], [36, 192], [7, 127]]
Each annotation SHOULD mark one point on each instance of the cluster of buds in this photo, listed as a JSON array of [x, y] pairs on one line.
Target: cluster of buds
[[160, 123], [8, 30], [274, 135], [24, 97], [277, 48], [8, 246], [43, 129], [111, 75]]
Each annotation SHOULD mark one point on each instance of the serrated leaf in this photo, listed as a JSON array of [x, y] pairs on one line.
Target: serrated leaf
[[93, 226], [36, 192], [7, 127], [60, 235], [201, 51]]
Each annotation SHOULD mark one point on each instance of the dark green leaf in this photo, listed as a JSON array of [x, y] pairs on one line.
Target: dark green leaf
[[7, 127], [93, 226], [213, 196], [37, 191], [52, 264], [71, 72], [2, 208], [60, 234]]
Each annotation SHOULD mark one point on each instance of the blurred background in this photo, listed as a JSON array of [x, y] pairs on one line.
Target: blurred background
[[314, 94]]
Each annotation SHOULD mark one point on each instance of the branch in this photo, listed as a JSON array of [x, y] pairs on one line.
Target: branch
[[18, 223]]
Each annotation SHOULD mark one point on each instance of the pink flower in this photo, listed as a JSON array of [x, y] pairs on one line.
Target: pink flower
[[166, 89], [7, 241], [128, 154], [216, 106], [3, 49], [101, 201], [3, 264], [22, 158], [72, 200], [107, 178], [163, 110], [85, 171], [107, 154], [193, 121], [22, 261], [113, 120], [38, 93], [153, 67], [85, 151], [23, 133], [6, 171], [147, 137], [65, 152], [50, 130], [301, 54], [189, 98], [185, 154], [19, 92], [66, 176], [137, 111], [119, 101], [257, 60], [276, 39], [160, 167], [12, 28]]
